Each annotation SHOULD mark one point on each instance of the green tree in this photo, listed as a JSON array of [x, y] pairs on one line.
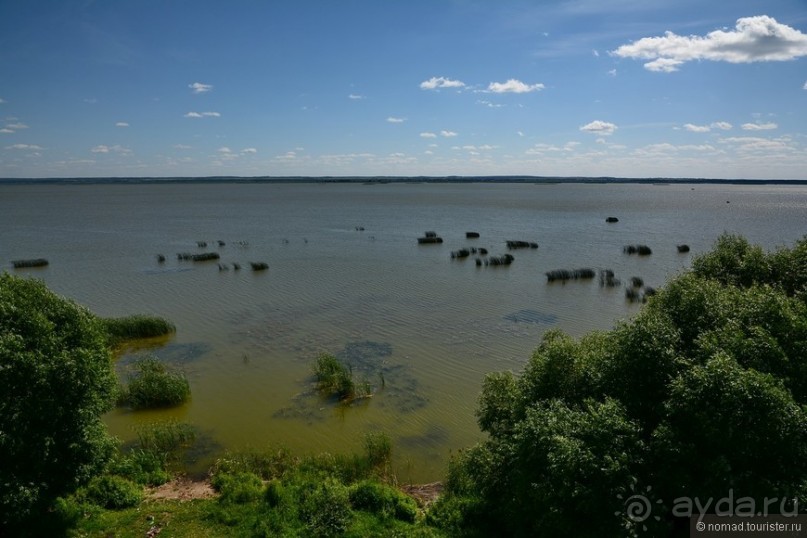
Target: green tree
[[57, 381]]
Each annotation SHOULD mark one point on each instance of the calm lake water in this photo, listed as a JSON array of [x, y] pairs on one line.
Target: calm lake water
[[429, 325]]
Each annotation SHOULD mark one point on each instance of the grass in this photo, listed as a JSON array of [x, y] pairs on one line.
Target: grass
[[152, 385]]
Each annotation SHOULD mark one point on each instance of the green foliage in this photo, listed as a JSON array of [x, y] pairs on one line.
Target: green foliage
[[378, 449], [110, 491], [166, 441], [135, 327], [153, 385], [144, 467], [383, 500], [334, 378], [701, 393], [238, 488], [57, 381], [325, 510]]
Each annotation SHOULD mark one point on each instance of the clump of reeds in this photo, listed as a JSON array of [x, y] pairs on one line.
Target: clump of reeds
[[203, 257], [336, 379], [611, 219], [152, 385], [461, 253], [607, 279], [35, 262], [259, 266], [160, 258], [682, 248], [472, 235], [512, 245], [636, 282], [641, 250], [136, 327], [430, 238], [570, 274], [201, 244], [505, 259]]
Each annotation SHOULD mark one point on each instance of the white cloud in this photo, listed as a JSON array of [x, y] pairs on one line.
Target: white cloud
[[2, 100], [599, 127], [596, 53], [722, 125], [804, 87], [758, 126], [355, 96], [697, 128], [181, 146], [202, 115], [514, 86], [754, 39], [198, 87], [448, 134], [24, 146], [224, 149], [428, 135], [249, 150], [120, 150], [395, 120], [16, 126], [6, 130], [489, 104], [612, 72], [435, 83], [121, 124]]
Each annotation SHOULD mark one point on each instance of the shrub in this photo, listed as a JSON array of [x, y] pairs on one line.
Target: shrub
[[326, 510], [383, 500], [153, 386], [56, 381], [334, 378], [239, 488], [166, 441], [110, 491], [141, 466]]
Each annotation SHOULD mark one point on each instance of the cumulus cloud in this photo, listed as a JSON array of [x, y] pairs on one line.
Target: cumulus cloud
[[249, 150], [753, 39], [121, 124], [202, 115], [25, 146], [722, 125], [427, 135], [224, 149], [599, 127], [514, 86], [435, 83], [395, 120], [198, 87], [448, 134], [758, 126]]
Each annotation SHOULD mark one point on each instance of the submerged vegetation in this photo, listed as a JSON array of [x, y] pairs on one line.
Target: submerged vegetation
[[334, 378]]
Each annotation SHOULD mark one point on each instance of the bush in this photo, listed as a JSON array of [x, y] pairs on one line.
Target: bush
[[154, 386], [110, 491], [334, 378], [378, 449], [166, 440], [57, 380], [141, 466], [239, 488], [383, 500], [326, 510]]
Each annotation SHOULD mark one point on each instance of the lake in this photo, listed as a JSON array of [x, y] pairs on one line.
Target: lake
[[347, 276]]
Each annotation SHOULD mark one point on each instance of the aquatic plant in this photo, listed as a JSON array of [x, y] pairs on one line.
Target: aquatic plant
[[36, 262], [160, 258], [153, 385], [682, 248], [136, 327], [203, 257], [472, 235], [611, 219], [607, 278], [259, 266], [570, 274], [512, 245], [641, 250], [461, 253], [636, 282]]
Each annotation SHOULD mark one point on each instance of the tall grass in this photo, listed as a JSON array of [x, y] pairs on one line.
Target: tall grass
[[336, 379], [136, 327]]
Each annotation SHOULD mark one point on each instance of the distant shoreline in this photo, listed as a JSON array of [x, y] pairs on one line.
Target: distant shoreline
[[373, 180]]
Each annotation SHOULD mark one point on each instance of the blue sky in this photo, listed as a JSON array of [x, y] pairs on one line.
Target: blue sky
[[630, 88]]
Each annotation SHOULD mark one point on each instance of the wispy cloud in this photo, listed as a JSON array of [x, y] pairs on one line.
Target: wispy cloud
[[202, 115], [25, 146], [355, 97], [722, 125], [514, 86], [436, 83], [102, 148], [2, 100], [758, 126], [392, 119], [804, 87], [198, 87], [448, 134], [181, 146], [599, 127], [6, 130], [16, 126], [121, 124], [428, 135], [754, 39], [249, 150], [697, 128]]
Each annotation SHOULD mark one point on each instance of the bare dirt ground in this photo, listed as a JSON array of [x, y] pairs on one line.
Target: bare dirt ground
[[424, 494], [182, 489]]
